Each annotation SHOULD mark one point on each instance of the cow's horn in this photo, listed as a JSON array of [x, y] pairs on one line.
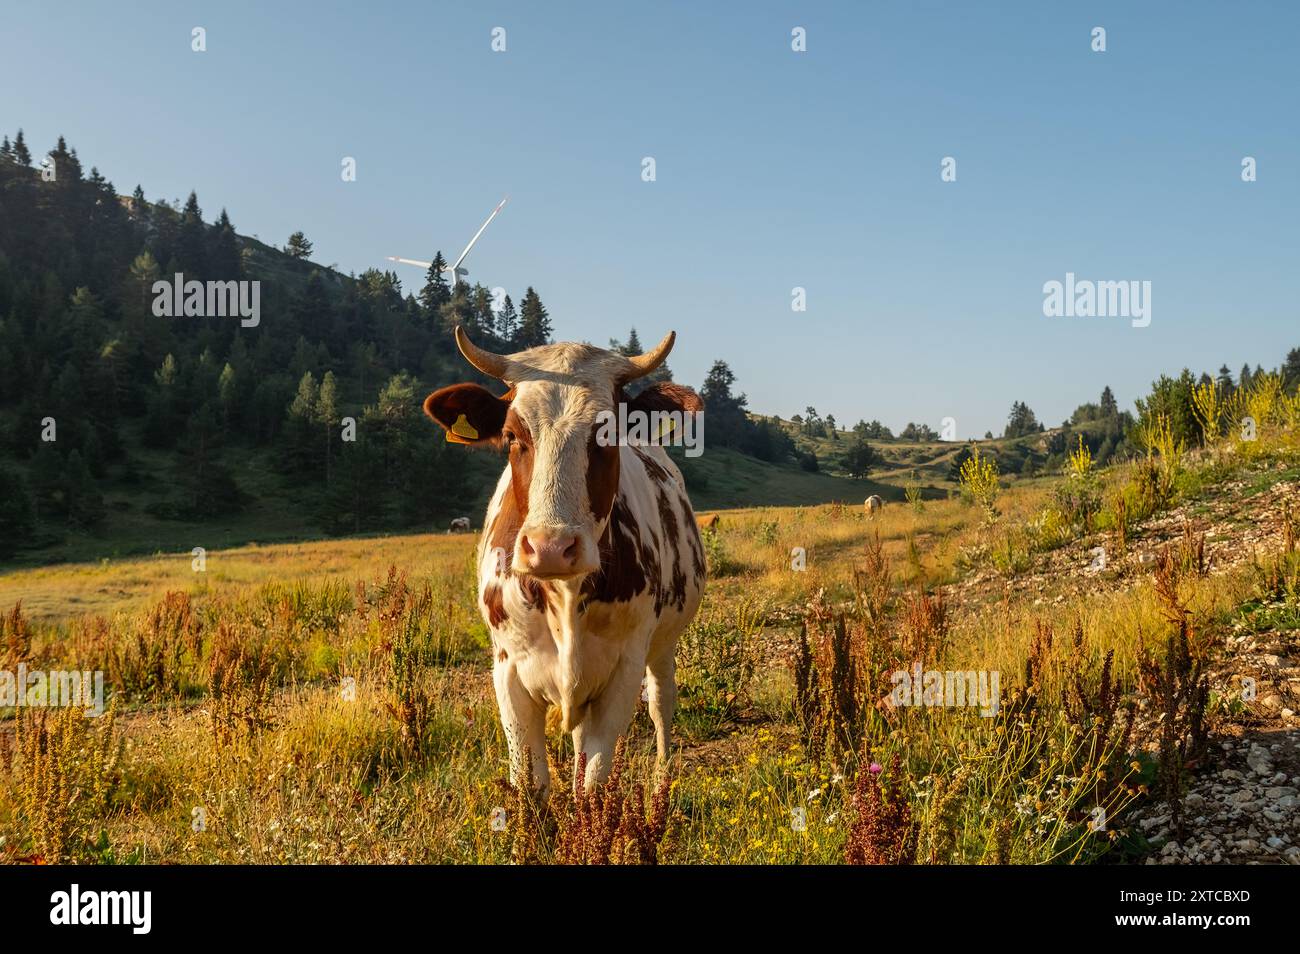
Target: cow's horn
[[643, 364], [493, 365]]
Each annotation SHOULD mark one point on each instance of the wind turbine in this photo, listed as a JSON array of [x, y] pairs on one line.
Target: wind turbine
[[456, 272]]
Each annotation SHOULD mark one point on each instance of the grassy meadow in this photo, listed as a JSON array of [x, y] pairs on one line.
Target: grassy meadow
[[331, 702]]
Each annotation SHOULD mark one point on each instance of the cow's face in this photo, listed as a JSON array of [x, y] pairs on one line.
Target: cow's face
[[563, 481]]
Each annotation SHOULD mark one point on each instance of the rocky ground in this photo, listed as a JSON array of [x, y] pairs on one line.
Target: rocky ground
[[1239, 526], [1243, 810], [1243, 805]]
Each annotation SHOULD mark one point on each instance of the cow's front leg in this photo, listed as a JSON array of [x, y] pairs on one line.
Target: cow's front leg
[[607, 717], [524, 720]]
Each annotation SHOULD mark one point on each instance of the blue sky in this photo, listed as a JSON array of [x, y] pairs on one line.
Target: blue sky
[[775, 169]]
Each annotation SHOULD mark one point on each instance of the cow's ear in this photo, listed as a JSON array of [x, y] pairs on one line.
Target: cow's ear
[[666, 396], [471, 414]]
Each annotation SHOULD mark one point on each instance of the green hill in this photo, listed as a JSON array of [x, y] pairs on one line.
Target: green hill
[[932, 464]]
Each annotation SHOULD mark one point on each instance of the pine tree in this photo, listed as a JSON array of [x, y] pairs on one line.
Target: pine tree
[[67, 166], [163, 419], [435, 292], [300, 425], [1291, 369], [85, 504], [457, 310], [1109, 407], [21, 154], [192, 240], [350, 503], [725, 413], [631, 348], [482, 320], [507, 324], [206, 489], [327, 414], [224, 256], [859, 459], [45, 477], [144, 272], [1021, 421], [534, 322], [303, 406], [228, 395], [298, 246]]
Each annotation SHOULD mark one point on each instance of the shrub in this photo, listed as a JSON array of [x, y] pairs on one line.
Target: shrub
[[881, 831], [912, 491], [239, 686], [1209, 407], [67, 772], [1078, 497], [717, 658], [618, 822], [157, 658], [716, 557], [979, 479], [15, 638]]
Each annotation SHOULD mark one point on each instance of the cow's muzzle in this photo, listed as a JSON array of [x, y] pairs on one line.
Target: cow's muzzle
[[554, 555]]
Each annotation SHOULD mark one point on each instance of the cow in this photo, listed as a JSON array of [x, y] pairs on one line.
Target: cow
[[873, 504], [590, 564], [710, 522], [459, 525]]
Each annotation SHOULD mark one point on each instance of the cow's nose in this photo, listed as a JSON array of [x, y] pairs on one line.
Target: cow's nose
[[550, 556]]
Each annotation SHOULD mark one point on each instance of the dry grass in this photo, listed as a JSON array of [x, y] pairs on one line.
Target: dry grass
[[316, 704]]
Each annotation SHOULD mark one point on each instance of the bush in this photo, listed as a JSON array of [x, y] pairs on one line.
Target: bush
[[717, 658], [979, 479]]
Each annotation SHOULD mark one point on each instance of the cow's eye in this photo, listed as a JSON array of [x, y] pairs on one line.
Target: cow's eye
[[509, 436]]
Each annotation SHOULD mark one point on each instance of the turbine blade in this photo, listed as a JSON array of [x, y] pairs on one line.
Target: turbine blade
[[411, 261], [501, 205]]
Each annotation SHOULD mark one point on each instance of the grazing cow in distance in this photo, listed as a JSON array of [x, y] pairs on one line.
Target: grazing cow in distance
[[590, 562], [710, 522], [873, 504], [459, 525]]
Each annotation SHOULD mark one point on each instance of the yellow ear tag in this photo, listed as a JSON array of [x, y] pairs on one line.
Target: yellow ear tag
[[462, 432]]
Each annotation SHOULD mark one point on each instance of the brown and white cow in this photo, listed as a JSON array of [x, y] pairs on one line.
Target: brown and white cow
[[590, 563]]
